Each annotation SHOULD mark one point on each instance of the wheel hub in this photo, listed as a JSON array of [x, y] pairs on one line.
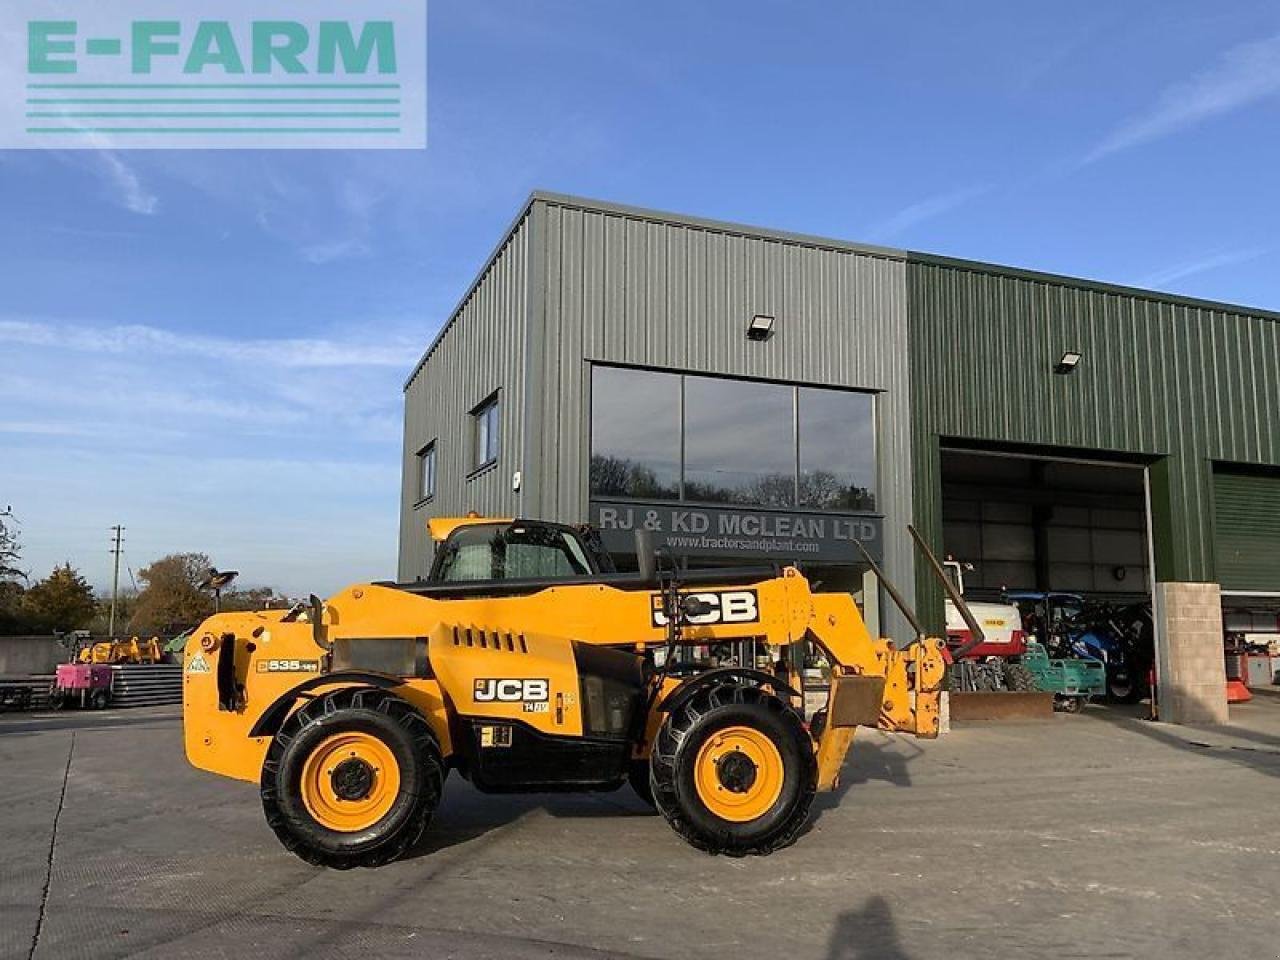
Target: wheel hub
[[736, 771], [352, 779]]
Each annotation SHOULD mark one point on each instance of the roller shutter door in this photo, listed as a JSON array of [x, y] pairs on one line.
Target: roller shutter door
[[1247, 508]]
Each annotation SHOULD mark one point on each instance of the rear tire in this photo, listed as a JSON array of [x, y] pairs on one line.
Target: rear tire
[[1127, 690], [1019, 678], [99, 699], [57, 698], [352, 779], [733, 771]]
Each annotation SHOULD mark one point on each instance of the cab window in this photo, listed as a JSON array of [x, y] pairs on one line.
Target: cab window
[[510, 553]]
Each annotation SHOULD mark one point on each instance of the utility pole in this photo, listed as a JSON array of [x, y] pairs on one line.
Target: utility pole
[[115, 578]]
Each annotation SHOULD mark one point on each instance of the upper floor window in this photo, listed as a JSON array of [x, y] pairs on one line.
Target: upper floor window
[[427, 471], [485, 432], [665, 436]]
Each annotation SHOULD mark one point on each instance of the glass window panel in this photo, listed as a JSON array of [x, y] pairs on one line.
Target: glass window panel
[[427, 471], [635, 434], [837, 450], [510, 553], [486, 433], [739, 442]]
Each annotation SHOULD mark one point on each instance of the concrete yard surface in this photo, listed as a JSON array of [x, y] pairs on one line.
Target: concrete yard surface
[[1099, 835]]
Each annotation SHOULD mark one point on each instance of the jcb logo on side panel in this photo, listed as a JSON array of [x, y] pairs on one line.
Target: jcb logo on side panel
[[511, 691], [727, 606]]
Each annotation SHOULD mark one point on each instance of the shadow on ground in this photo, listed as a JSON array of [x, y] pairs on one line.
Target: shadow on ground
[[466, 814], [1264, 758], [867, 934]]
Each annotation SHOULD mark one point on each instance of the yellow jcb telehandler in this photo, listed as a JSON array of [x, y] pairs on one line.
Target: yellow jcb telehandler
[[526, 662]]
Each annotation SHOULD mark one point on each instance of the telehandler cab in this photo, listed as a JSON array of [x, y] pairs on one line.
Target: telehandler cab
[[527, 663]]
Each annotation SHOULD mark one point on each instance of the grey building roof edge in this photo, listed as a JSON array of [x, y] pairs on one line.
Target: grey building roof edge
[[471, 287], [720, 226], [830, 243]]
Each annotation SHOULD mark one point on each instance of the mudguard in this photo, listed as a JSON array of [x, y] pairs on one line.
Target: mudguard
[[690, 688], [269, 723]]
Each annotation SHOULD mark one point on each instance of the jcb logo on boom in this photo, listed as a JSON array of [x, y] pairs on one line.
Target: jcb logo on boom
[[727, 606], [511, 691]]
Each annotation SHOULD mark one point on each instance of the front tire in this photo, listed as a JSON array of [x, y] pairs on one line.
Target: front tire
[[638, 777], [352, 779], [733, 771]]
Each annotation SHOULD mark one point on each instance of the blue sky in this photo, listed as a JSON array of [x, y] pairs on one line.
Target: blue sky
[[208, 347]]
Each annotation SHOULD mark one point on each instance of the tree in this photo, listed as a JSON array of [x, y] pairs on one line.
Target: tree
[[174, 599], [253, 598], [10, 548], [171, 599], [61, 602], [12, 579]]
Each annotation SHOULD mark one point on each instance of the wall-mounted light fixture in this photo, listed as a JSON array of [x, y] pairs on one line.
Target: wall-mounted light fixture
[[1070, 360], [760, 327]]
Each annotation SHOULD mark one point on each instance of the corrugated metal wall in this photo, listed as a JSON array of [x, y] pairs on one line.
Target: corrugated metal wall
[[481, 350], [1163, 378], [1247, 517], [629, 287]]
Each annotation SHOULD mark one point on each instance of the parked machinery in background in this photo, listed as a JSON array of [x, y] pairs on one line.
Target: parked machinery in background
[[1117, 633], [995, 661], [1014, 654], [132, 650], [81, 685]]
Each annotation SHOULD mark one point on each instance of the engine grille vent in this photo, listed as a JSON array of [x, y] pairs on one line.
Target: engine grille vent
[[489, 640]]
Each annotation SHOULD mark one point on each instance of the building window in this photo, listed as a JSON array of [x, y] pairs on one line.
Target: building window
[[665, 436], [635, 434], [739, 442], [837, 440], [427, 471], [485, 432]]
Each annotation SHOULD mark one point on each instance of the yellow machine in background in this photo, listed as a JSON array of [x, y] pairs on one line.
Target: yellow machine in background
[[121, 651], [528, 664]]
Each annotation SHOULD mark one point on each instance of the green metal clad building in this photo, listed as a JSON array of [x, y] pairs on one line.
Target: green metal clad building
[[754, 393]]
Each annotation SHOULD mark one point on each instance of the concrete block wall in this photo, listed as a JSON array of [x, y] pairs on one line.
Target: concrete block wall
[[1191, 668], [24, 656]]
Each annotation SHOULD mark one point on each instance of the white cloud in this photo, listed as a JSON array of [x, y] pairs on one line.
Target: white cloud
[[917, 213], [321, 253], [1204, 264], [132, 195], [1244, 74], [132, 339]]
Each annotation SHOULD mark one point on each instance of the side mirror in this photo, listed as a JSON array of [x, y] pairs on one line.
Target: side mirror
[[646, 559]]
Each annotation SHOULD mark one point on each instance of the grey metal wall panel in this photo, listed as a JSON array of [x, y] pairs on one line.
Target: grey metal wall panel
[[1184, 381], [480, 350], [632, 287]]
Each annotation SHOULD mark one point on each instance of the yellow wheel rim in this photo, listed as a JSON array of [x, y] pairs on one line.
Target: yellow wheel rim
[[350, 781], [738, 774]]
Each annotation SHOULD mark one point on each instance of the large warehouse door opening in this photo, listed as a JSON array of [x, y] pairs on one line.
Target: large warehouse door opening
[[1066, 543]]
